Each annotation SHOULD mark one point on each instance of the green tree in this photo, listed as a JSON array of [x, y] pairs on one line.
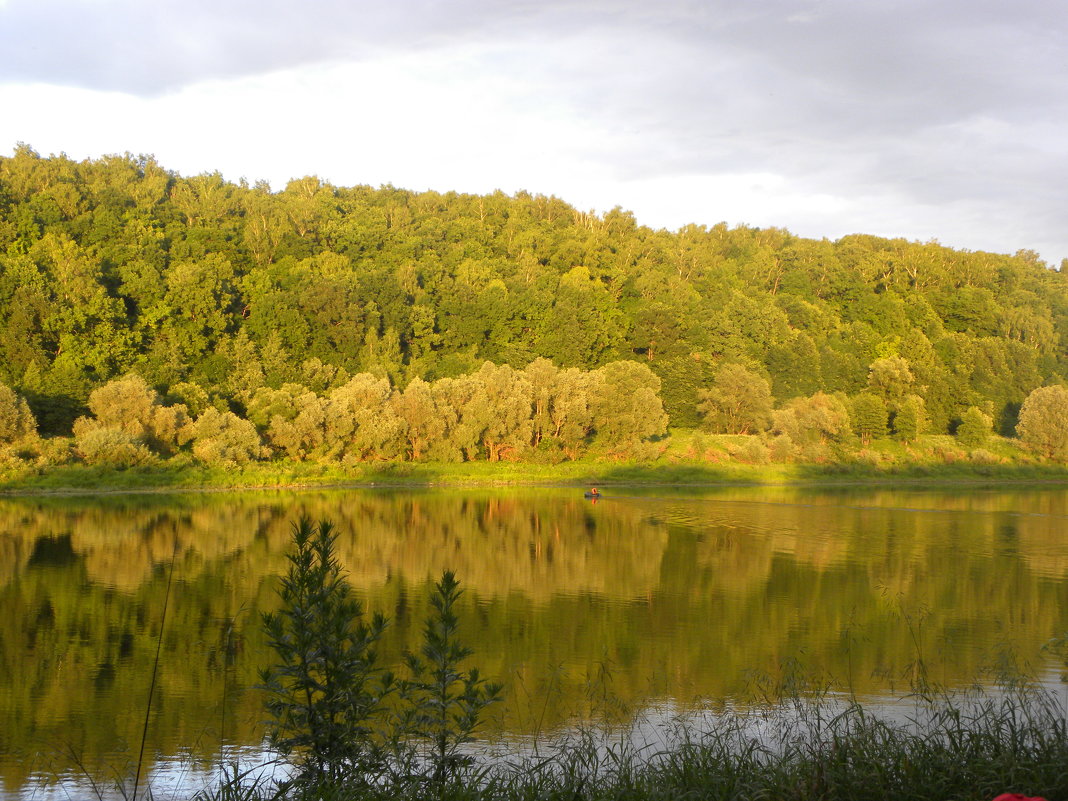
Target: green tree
[[199, 302], [423, 424], [975, 428], [820, 418], [85, 322], [501, 410], [128, 405], [738, 402], [542, 374], [459, 404], [223, 438], [25, 303], [571, 409], [361, 423], [16, 419], [681, 379], [794, 366], [326, 691], [891, 379], [111, 447], [444, 703], [625, 406], [582, 324], [911, 418], [347, 725], [117, 264], [321, 377], [57, 394], [265, 404], [869, 416], [243, 370], [192, 396], [1043, 425], [302, 433]]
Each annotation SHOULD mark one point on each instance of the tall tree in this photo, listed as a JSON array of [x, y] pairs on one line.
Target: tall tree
[[738, 402], [1043, 425]]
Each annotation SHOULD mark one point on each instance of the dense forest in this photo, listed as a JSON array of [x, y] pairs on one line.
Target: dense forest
[[225, 302]]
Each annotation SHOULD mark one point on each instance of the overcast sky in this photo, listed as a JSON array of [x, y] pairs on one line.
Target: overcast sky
[[926, 119]]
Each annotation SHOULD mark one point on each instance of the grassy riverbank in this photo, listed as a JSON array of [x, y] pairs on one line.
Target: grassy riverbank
[[941, 748], [685, 458]]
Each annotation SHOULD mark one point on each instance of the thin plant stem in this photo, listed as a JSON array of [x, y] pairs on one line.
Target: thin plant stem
[[155, 671]]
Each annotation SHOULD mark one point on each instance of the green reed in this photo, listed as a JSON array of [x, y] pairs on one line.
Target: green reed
[[969, 747], [155, 673]]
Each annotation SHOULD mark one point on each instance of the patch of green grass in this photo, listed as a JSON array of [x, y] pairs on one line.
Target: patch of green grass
[[686, 457]]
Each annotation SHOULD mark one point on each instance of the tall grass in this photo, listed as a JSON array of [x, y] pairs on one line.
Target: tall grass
[[964, 747]]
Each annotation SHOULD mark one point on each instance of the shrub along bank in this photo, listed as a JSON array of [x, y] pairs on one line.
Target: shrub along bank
[[602, 424]]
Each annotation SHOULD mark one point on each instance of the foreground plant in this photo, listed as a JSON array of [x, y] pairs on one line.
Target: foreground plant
[[951, 748], [443, 705], [325, 693], [346, 726]]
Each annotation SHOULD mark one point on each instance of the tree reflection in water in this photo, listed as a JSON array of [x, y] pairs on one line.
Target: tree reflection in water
[[649, 597]]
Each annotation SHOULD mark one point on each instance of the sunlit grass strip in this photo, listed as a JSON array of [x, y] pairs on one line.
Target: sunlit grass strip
[[284, 474], [969, 749]]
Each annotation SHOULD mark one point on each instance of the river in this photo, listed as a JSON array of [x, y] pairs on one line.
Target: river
[[680, 598]]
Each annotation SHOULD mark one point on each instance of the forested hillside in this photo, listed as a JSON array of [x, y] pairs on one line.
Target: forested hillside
[[218, 289]]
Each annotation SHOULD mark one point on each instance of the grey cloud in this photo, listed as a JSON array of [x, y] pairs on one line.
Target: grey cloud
[[933, 103], [149, 48], [958, 103]]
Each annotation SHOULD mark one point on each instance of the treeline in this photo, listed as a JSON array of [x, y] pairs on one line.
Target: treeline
[[118, 265], [740, 401], [540, 412]]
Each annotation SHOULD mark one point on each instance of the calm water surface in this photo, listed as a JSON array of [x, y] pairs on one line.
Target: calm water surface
[[648, 597]]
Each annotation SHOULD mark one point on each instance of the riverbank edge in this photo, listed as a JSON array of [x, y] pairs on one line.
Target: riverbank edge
[[794, 749], [165, 478]]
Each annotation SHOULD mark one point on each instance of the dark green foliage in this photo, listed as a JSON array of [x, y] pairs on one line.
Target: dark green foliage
[[975, 428], [910, 420], [682, 379], [795, 368], [441, 704], [326, 691], [16, 419], [869, 416], [343, 723], [57, 396]]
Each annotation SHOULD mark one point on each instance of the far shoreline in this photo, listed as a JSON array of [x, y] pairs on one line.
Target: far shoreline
[[81, 480]]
